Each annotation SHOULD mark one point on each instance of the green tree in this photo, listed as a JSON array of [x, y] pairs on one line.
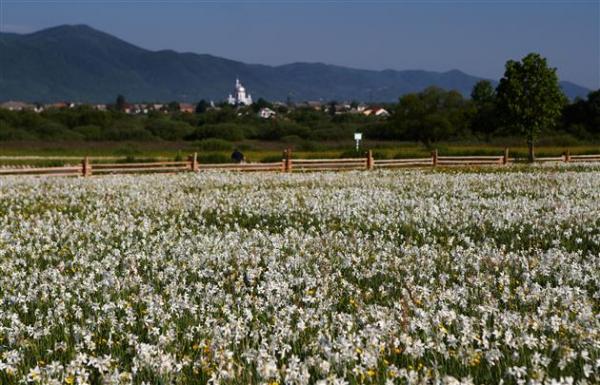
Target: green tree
[[173, 107], [429, 116], [530, 98], [331, 108], [201, 107], [582, 117], [120, 103], [484, 119], [260, 104], [483, 92]]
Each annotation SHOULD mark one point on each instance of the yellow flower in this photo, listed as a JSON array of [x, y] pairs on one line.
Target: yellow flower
[[475, 359], [442, 328], [370, 372], [70, 379]]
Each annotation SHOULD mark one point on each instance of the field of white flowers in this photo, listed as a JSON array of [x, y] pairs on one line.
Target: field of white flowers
[[327, 278]]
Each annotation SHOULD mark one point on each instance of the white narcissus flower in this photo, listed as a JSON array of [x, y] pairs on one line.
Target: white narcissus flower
[[386, 276]]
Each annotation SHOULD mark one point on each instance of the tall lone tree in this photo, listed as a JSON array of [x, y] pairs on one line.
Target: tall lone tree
[[530, 97], [201, 107], [120, 103]]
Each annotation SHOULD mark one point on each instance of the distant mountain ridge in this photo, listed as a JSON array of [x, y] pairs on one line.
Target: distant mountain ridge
[[79, 63]]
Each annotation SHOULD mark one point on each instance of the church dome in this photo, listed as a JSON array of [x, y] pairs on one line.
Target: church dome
[[240, 97]]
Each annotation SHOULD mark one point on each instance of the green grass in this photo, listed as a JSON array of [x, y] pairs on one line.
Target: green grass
[[60, 153]]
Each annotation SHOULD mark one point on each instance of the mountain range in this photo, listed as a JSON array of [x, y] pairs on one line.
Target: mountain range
[[79, 63]]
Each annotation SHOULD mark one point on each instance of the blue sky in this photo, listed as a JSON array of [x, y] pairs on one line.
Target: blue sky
[[474, 36]]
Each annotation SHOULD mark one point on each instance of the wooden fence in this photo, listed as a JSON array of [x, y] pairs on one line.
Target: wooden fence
[[287, 164]]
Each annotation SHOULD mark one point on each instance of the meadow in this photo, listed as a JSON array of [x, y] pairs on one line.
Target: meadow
[[53, 153], [488, 276]]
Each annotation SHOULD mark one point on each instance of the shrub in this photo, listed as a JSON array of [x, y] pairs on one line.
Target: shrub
[[227, 131], [353, 153], [214, 157], [333, 133], [50, 130], [169, 129], [10, 133], [271, 158], [291, 139], [90, 132], [309, 145], [213, 144]]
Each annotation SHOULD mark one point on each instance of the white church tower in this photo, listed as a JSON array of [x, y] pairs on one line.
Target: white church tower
[[239, 96]]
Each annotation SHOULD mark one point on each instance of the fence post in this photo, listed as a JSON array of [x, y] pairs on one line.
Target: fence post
[[288, 160], [193, 159], [434, 157], [505, 157], [86, 167], [370, 160], [567, 156]]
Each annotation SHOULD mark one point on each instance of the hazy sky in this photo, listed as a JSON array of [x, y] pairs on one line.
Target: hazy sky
[[474, 36]]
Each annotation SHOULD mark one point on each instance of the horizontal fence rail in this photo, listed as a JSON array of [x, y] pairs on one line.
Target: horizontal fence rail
[[584, 158], [287, 164], [327, 164], [45, 171], [275, 166]]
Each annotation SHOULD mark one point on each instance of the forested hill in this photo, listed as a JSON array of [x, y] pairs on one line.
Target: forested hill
[[79, 63]]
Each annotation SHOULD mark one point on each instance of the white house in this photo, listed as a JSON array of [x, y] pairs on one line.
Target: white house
[[266, 113], [17, 106], [239, 96], [376, 111]]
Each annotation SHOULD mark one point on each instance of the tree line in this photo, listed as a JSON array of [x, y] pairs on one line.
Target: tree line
[[527, 102]]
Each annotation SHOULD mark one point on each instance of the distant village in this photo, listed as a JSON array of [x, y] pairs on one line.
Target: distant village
[[239, 98]]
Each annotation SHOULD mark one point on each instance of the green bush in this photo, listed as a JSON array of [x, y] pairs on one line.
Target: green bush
[[49, 130], [10, 133], [246, 147], [278, 129], [226, 131], [354, 154], [214, 157], [124, 132], [558, 140], [333, 133], [134, 159], [309, 145], [380, 155], [271, 158], [126, 151], [90, 132], [213, 144], [169, 129], [292, 139]]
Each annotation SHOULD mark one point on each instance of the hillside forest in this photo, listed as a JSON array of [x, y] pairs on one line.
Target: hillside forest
[[429, 116]]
